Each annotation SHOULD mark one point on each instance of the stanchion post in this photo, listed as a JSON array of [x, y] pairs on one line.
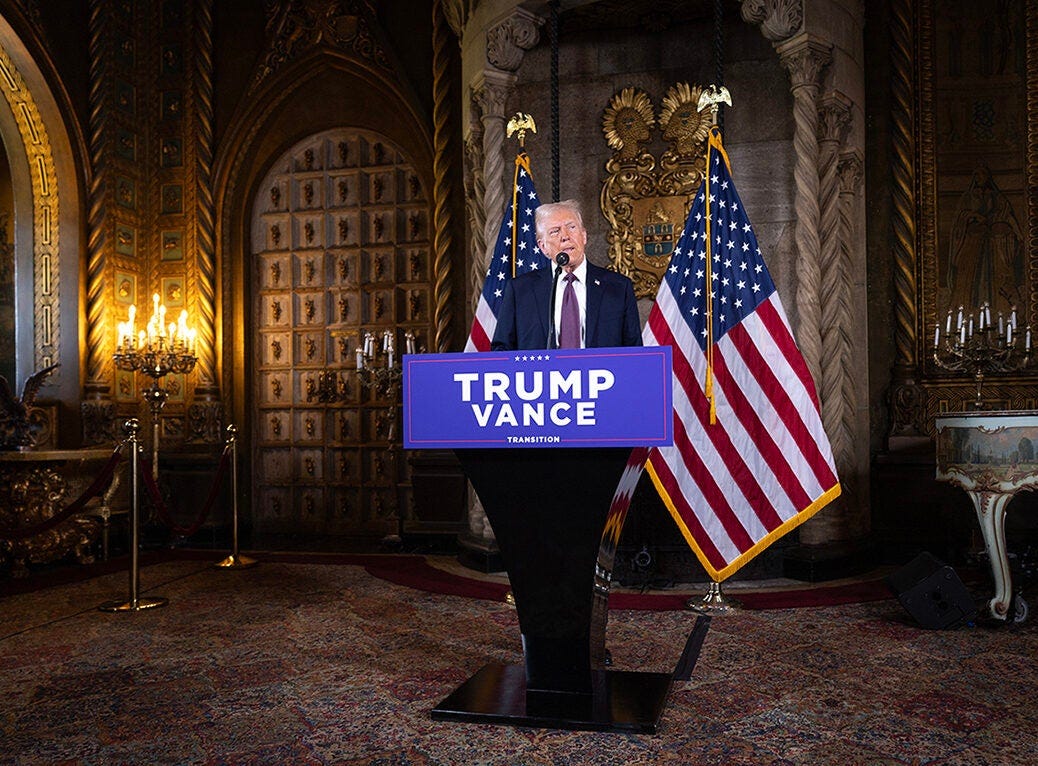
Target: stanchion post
[[135, 603], [234, 561]]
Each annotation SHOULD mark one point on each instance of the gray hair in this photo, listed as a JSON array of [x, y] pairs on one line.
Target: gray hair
[[549, 208]]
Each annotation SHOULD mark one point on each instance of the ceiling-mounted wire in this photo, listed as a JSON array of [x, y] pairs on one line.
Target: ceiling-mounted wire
[[719, 55], [553, 36]]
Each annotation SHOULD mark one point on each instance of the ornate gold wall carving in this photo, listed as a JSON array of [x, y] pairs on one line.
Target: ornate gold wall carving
[[296, 26], [646, 202], [151, 216]]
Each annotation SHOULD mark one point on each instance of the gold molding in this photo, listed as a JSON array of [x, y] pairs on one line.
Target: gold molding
[[40, 159], [920, 391]]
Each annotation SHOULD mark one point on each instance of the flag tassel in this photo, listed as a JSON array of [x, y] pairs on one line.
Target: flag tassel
[[708, 383]]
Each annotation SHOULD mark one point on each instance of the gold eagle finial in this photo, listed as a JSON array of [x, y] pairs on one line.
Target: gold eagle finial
[[713, 96], [520, 124]]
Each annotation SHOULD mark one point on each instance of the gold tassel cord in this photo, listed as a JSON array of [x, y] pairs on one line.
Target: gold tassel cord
[[708, 384], [522, 160], [713, 143]]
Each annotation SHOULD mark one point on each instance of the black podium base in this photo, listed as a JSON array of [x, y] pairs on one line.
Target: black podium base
[[622, 701]]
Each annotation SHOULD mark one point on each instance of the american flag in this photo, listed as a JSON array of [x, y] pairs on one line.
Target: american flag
[[750, 459], [515, 253]]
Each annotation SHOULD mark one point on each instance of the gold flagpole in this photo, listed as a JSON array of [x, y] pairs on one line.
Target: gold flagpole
[[711, 98], [519, 124], [714, 601]]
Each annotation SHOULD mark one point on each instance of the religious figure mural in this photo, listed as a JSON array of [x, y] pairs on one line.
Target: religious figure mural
[[986, 250]]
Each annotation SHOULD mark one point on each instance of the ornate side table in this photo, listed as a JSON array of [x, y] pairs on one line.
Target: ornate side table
[[991, 455], [35, 485]]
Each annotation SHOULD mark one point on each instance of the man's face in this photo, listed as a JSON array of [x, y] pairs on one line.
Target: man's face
[[563, 232]]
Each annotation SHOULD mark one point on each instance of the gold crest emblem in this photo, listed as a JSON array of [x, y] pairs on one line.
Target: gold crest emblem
[[645, 200]]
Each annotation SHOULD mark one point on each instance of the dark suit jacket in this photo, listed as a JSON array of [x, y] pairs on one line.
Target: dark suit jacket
[[612, 311]]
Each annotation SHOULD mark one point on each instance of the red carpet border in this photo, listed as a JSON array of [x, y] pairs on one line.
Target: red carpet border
[[415, 571]]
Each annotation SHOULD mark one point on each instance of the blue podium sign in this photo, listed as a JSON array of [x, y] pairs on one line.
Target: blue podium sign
[[595, 397]]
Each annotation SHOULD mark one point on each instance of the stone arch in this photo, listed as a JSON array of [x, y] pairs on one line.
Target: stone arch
[[46, 191], [321, 91]]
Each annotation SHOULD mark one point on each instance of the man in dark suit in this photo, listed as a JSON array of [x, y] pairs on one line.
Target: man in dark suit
[[599, 310]]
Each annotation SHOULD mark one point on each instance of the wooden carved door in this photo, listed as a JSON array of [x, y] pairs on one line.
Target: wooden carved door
[[340, 247]]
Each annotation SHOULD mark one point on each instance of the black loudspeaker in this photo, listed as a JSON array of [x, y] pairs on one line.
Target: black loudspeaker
[[932, 593]]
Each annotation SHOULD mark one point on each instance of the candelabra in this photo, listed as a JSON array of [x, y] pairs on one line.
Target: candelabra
[[378, 370], [156, 352], [974, 343]]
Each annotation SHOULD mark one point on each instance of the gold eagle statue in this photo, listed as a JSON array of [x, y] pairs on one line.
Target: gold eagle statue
[[16, 431]]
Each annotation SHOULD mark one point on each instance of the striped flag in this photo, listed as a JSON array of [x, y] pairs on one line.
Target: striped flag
[[515, 253], [750, 459]]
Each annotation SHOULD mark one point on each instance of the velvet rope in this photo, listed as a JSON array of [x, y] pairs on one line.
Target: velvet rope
[[163, 511], [96, 488]]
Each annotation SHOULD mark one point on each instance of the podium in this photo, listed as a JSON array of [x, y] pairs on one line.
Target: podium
[[556, 515]]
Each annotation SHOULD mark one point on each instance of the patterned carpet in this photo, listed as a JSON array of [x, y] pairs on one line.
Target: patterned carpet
[[292, 663]]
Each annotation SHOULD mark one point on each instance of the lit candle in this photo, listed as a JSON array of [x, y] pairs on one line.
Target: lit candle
[[1027, 339], [936, 336], [962, 335], [1009, 334], [1012, 317], [970, 333], [182, 332], [1001, 325], [947, 327], [960, 317], [360, 358]]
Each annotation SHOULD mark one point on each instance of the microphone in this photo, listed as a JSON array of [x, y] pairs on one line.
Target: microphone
[[561, 259]]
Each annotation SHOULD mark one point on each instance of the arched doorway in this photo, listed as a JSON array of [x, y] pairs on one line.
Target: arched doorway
[[340, 247], [41, 200]]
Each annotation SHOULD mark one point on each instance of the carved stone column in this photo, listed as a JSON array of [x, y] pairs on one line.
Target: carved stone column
[[97, 408], [491, 95], [508, 40], [778, 19], [821, 60], [836, 310], [443, 240], [205, 415], [475, 189], [905, 392], [805, 58], [487, 184], [506, 43], [850, 174]]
